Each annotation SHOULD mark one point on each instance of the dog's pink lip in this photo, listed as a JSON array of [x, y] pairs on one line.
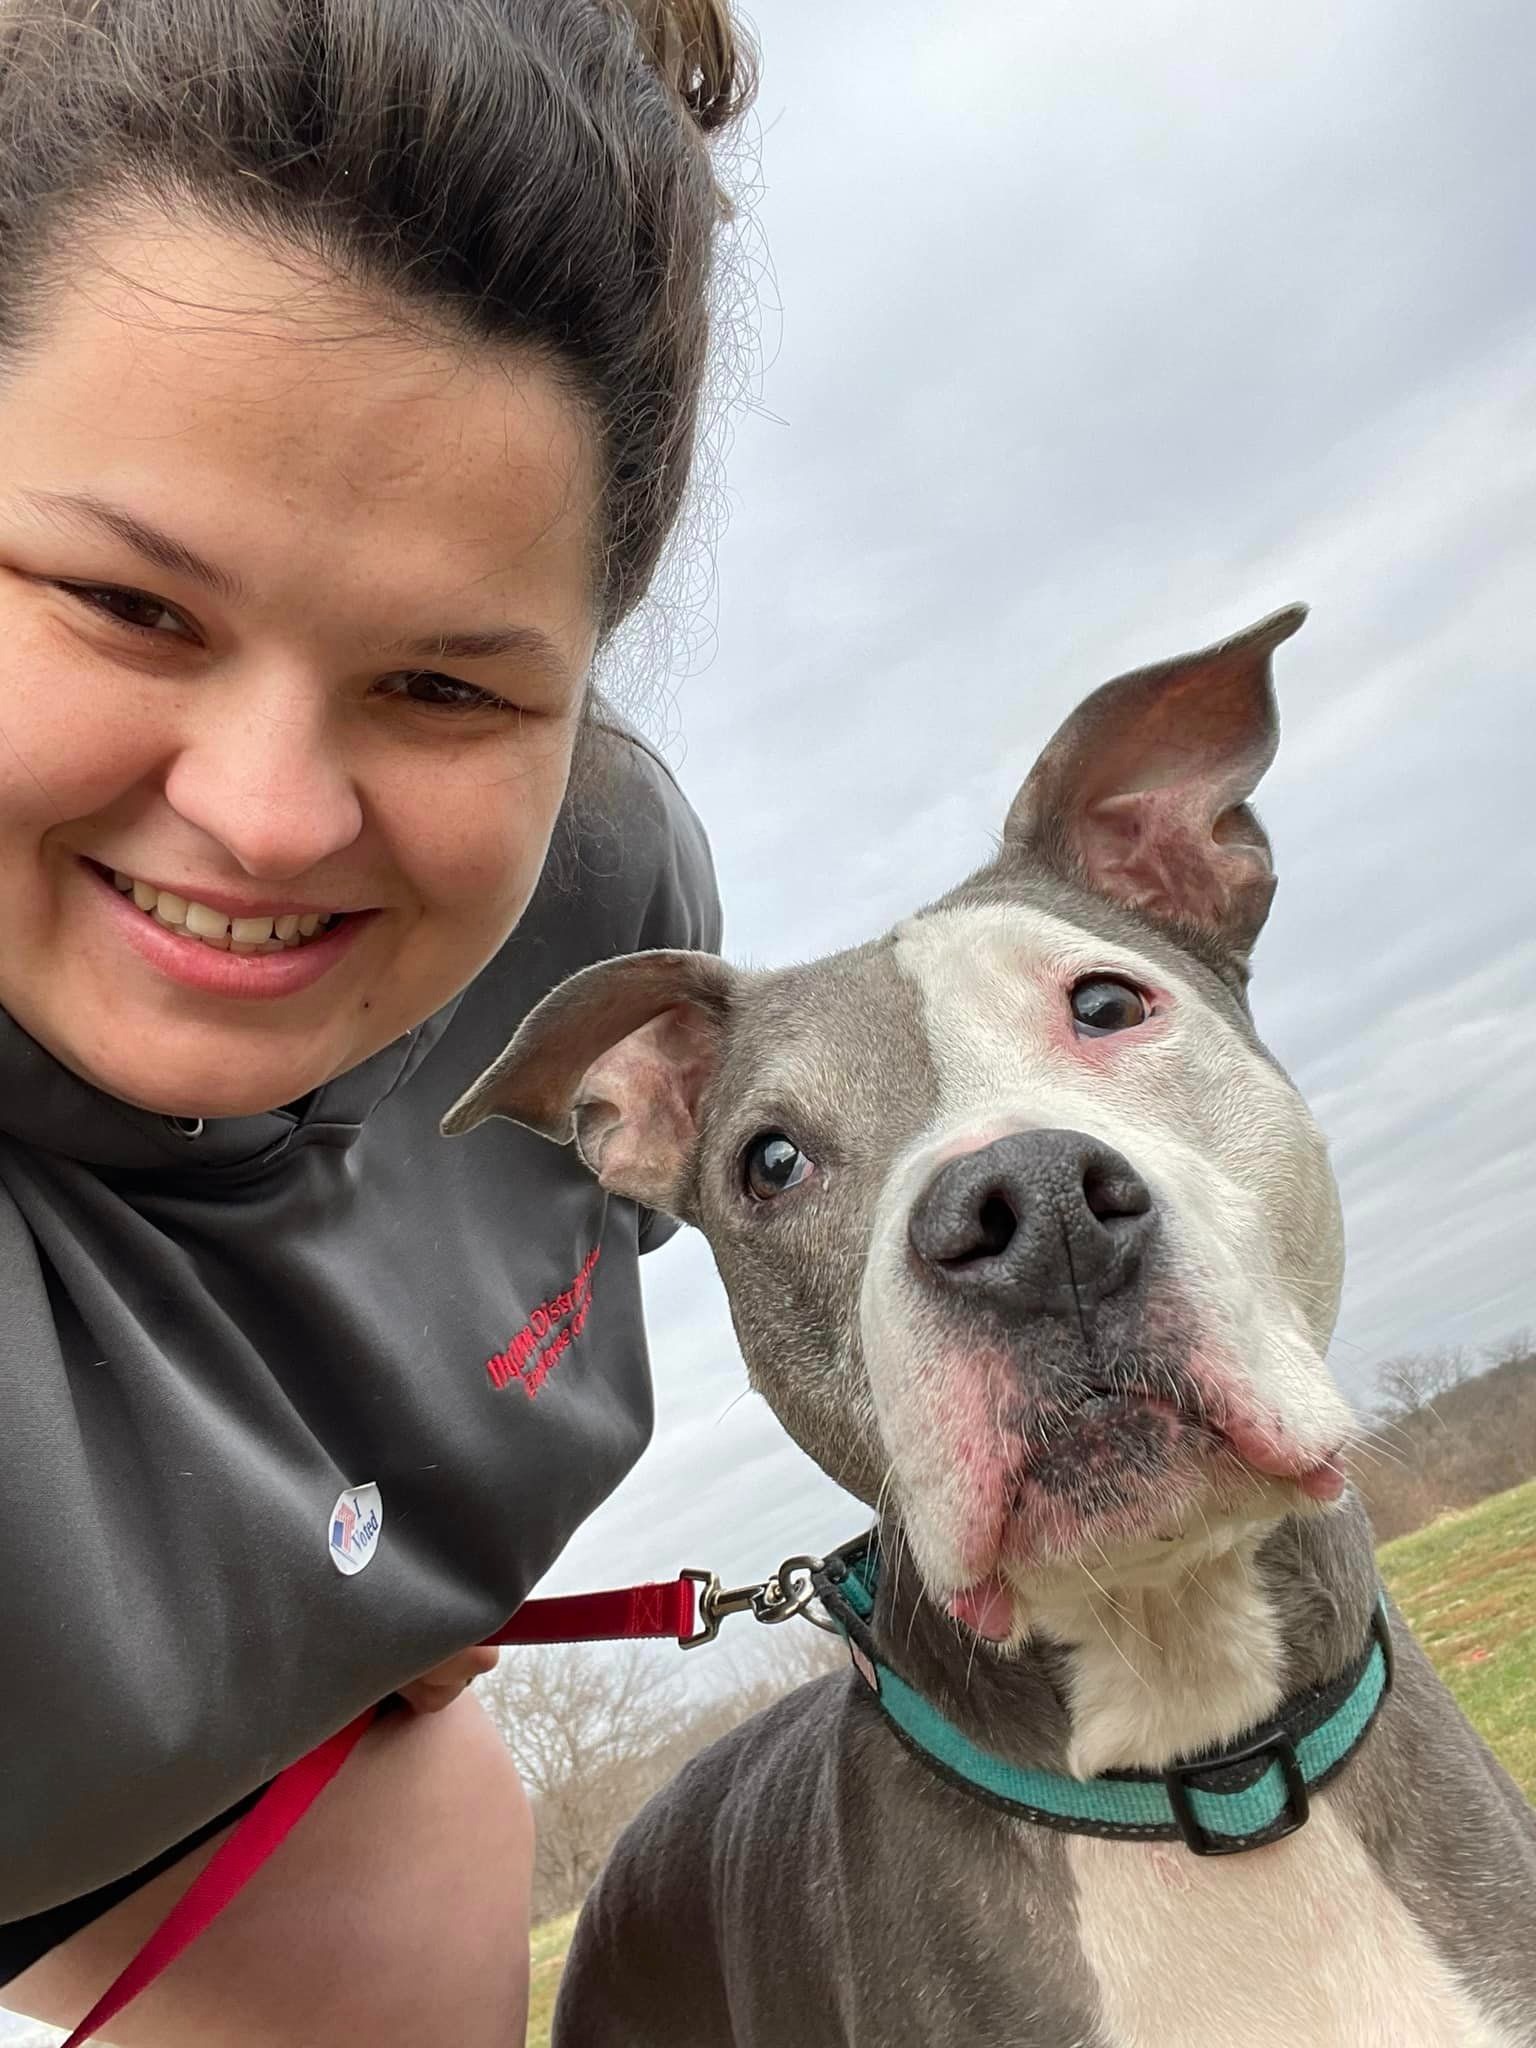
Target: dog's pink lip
[[1267, 1450], [1263, 1447], [985, 1608], [1326, 1481]]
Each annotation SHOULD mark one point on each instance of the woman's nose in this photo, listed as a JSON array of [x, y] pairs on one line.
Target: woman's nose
[[271, 787]]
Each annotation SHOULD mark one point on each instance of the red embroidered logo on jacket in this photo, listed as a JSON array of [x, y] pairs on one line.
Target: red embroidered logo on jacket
[[532, 1355]]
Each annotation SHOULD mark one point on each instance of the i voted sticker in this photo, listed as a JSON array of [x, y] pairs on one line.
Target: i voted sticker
[[356, 1521]]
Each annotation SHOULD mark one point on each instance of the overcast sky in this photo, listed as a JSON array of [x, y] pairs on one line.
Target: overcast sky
[[1100, 333]]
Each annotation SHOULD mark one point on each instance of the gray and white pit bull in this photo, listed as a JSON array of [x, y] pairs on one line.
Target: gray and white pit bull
[[1032, 1246]]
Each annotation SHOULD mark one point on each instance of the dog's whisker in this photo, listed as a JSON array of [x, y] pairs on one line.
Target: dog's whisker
[[1374, 1442], [1177, 1595], [1106, 1630], [1110, 1600], [1357, 1455], [970, 1662]]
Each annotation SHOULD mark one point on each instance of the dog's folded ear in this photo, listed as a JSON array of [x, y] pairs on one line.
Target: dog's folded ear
[[1142, 794], [618, 1059]]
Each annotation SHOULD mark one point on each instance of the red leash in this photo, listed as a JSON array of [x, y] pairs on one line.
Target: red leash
[[290, 1795], [622, 1616]]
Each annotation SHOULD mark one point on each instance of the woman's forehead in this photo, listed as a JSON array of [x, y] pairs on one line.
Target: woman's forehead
[[276, 419]]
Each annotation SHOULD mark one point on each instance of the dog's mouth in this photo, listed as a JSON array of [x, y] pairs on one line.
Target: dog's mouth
[[1102, 1452], [1124, 1419], [1121, 1465], [1122, 1431]]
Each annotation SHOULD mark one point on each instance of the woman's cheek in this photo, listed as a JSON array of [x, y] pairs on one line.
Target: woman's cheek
[[75, 733], [475, 843]]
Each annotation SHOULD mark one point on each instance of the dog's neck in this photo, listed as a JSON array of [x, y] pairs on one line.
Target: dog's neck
[[1136, 1671]]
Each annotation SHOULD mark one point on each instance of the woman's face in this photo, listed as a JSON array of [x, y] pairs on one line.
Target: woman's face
[[296, 611]]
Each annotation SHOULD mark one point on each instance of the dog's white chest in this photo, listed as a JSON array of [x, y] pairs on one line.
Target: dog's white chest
[[1299, 1942]]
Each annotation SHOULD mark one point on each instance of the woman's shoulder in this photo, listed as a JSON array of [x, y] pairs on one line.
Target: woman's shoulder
[[629, 867], [629, 828]]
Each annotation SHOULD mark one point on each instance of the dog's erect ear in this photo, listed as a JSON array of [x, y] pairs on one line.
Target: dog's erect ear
[[1143, 792], [618, 1058]]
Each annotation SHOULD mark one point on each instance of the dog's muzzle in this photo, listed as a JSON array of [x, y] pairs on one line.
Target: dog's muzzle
[[1037, 1223]]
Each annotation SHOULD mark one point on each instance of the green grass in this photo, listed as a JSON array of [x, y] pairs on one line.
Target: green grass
[[550, 1943], [1467, 1584], [1468, 1587]]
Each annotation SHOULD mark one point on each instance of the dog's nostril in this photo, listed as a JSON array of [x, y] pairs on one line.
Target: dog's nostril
[[1110, 1193], [963, 1221], [980, 1230], [995, 1225]]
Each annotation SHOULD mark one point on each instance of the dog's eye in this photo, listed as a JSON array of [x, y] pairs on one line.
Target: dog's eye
[[1101, 1006], [771, 1164]]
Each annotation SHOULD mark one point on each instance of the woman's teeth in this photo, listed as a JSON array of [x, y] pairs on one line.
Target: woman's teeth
[[213, 928]]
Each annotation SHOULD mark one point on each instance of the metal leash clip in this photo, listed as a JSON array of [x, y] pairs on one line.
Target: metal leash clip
[[789, 1592]]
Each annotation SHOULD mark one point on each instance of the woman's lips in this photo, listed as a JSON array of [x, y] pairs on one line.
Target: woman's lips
[[248, 977]]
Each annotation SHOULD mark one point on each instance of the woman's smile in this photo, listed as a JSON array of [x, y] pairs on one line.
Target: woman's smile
[[194, 943]]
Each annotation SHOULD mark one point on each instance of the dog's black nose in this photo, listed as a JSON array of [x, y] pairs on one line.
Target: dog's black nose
[[1042, 1222]]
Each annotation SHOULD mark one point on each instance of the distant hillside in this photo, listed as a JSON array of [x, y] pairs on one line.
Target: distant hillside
[[1468, 1440]]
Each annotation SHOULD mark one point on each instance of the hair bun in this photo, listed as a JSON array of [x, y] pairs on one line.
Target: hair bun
[[703, 52]]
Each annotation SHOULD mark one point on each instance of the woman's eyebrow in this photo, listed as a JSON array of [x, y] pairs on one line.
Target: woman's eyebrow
[[85, 509], [480, 644], [485, 643]]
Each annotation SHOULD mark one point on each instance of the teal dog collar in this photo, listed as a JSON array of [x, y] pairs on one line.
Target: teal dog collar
[[1219, 1804]]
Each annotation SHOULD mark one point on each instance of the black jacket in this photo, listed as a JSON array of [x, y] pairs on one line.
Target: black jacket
[[211, 1347]]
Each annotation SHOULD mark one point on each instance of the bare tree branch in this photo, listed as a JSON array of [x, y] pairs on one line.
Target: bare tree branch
[[595, 1729]]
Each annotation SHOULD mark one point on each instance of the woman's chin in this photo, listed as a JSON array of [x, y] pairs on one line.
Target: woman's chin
[[207, 1106], [201, 1079], [190, 1103]]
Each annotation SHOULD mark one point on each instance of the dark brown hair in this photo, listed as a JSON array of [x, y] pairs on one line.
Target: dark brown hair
[[528, 172]]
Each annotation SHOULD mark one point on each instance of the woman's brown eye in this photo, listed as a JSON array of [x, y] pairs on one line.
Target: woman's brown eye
[[446, 693], [1101, 1006], [772, 1164], [133, 608]]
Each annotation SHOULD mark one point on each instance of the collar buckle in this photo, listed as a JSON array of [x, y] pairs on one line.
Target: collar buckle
[[1201, 1839]]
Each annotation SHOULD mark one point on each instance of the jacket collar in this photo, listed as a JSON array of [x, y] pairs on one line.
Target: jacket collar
[[46, 1106]]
